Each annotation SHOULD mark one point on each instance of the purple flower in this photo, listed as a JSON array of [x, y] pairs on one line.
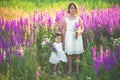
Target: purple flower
[[7, 25], [0, 45], [94, 54], [1, 23], [25, 22], [13, 41], [49, 21], [61, 28], [40, 18], [51, 45], [101, 53], [106, 60], [113, 59], [27, 43], [99, 59], [97, 63], [37, 74], [77, 25], [58, 17], [4, 43], [21, 21], [20, 52]]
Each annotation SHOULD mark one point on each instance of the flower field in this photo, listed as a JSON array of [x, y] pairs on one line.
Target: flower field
[[25, 56]]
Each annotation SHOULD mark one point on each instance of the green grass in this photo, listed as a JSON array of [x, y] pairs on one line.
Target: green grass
[[31, 5]]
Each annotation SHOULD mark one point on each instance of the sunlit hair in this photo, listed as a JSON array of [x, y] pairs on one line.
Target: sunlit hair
[[58, 34], [69, 6]]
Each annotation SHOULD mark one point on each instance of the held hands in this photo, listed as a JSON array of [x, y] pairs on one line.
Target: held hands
[[63, 45], [80, 31]]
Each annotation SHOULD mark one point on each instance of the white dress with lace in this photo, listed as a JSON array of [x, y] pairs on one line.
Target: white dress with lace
[[72, 45], [59, 56]]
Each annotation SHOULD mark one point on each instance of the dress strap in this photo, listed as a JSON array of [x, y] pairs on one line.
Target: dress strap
[[78, 18], [66, 19]]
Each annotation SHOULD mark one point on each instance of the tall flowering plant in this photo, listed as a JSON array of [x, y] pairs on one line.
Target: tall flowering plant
[[38, 73]]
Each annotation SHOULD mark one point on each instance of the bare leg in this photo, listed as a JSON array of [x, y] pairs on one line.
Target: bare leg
[[55, 67], [70, 63], [58, 69], [77, 62]]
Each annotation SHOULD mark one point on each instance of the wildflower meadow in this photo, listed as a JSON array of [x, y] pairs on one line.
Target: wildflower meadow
[[25, 25]]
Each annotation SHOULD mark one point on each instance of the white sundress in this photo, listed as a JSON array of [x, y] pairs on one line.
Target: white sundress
[[59, 56], [72, 45]]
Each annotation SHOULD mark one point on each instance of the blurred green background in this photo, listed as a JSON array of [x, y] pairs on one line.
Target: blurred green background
[[31, 5], [13, 9]]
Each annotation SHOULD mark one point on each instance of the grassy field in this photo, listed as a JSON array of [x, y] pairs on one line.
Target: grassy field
[[36, 56]]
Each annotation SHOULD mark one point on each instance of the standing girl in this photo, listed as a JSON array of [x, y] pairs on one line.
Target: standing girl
[[72, 44], [59, 55]]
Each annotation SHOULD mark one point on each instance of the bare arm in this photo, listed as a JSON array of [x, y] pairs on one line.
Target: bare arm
[[81, 30], [64, 32]]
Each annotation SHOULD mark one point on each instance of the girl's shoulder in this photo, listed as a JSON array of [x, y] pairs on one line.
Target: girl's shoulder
[[58, 44], [76, 18], [65, 18]]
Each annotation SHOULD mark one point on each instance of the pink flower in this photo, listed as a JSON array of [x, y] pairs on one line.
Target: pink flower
[[107, 60], [20, 52], [37, 73], [99, 59], [77, 25], [94, 54]]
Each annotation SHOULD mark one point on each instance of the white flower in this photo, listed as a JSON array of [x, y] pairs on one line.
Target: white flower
[[118, 44], [4, 55], [46, 39], [112, 39], [114, 43], [22, 54], [119, 38], [43, 43], [115, 39]]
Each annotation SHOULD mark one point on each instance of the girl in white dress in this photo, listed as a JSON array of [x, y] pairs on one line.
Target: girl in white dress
[[72, 44], [58, 56]]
